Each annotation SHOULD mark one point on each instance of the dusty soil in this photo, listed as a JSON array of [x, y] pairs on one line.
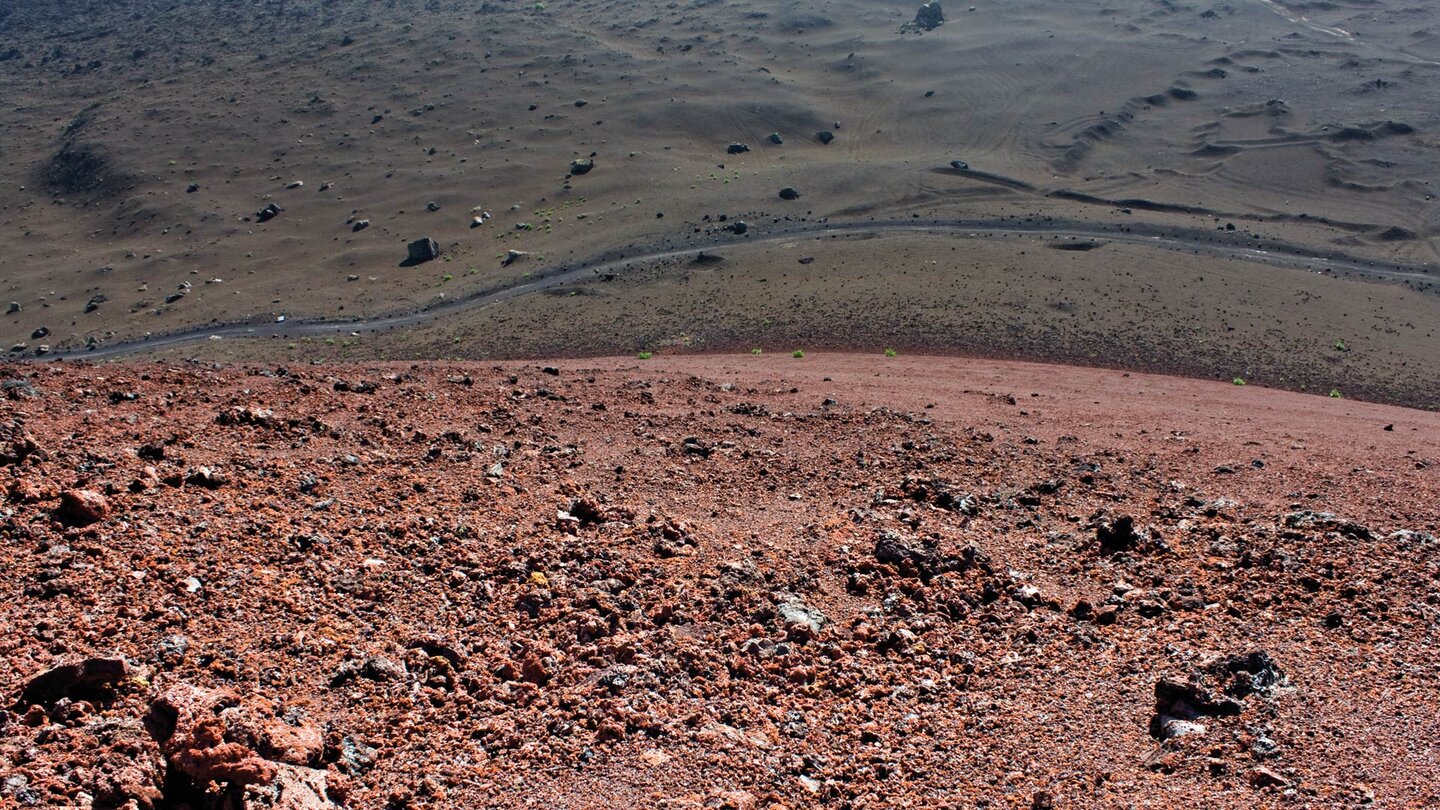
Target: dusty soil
[[1308, 122], [713, 582]]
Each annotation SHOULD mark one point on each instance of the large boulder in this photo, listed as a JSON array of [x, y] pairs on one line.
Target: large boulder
[[929, 17], [77, 680], [82, 507], [423, 250]]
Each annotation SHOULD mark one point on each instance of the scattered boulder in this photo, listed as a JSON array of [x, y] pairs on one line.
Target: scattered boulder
[[940, 494], [17, 444], [422, 250], [360, 225], [825, 136], [789, 193], [1262, 777], [513, 256], [1218, 690], [1409, 539], [268, 213], [1326, 521], [207, 478], [1118, 535], [960, 165], [913, 557], [581, 166], [1179, 705], [800, 620], [258, 417], [18, 389], [198, 735], [14, 308], [1255, 673], [40, 333], [374, 668], [737, 149], [929, 17], [78, 680], [775, 138], [82, 507]]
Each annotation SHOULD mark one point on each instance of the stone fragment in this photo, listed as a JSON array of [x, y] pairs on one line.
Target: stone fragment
[[82, 507]]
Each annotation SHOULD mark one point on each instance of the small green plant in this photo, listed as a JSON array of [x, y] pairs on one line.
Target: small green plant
[[448, 277], [890, 353], [798, 353], [1340, 346], [1238, 381], [757, 351], [329, 341], [1335, 393], [645, 355]]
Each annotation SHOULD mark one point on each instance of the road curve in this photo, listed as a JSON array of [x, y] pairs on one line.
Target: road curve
[[1233, 245]]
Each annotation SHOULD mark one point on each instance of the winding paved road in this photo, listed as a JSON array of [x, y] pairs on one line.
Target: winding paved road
[[1235, 245]]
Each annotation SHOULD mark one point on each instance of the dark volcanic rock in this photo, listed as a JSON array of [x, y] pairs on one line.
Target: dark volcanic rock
[[268, 213], [1117, 535], [422, 250], [77, 681], [929, 17], [915, 557]]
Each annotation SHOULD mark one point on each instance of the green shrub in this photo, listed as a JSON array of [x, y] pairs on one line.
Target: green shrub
[[645, 355], [890, 353], [1238, 381], [798, 353], [757, 351]]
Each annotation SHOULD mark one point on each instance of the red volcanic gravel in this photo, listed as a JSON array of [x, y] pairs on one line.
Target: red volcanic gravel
[[707, 582]]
